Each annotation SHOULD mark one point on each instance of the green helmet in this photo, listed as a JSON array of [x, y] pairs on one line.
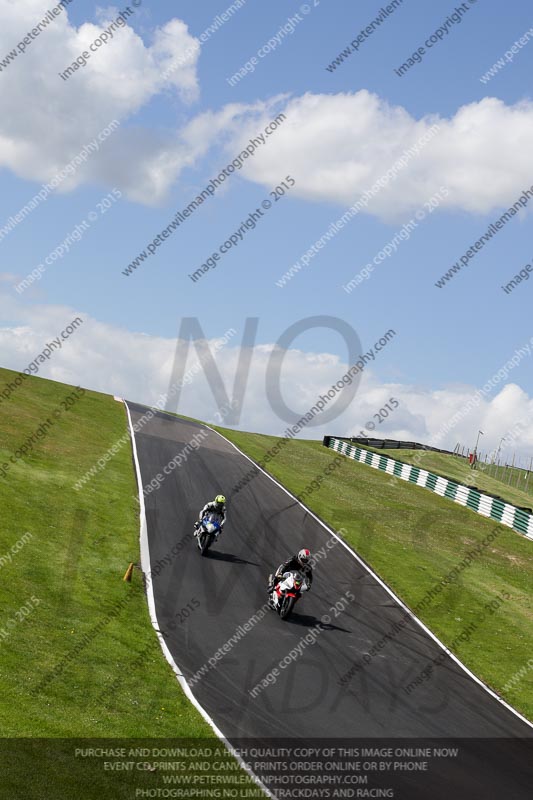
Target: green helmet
[[220, 500]]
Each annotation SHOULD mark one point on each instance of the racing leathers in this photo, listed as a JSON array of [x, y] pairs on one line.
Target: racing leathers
[[293, 565]]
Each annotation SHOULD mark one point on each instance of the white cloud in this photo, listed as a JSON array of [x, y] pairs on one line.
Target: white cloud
[[137, 366], [40, 135], [337, 146], [8, 277]]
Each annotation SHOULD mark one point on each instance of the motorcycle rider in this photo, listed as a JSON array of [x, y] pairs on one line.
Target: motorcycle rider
[[301, 562], [216, 506]]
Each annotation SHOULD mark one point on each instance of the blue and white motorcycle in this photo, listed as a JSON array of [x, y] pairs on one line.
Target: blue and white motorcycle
[[207, 531]]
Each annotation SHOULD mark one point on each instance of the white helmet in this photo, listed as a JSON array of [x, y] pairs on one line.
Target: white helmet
[[304, 557]]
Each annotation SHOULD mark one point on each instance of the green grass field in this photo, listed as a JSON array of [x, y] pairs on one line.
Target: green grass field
[[515, 477], [81, 544], [413, 538]]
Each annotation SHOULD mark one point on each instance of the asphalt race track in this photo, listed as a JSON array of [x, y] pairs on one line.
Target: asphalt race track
[[225, 589]]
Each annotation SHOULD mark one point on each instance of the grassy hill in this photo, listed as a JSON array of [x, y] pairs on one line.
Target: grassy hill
[[492, 480], [81, 543]]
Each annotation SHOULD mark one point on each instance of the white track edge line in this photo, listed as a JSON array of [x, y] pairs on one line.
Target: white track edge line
[[145, 563], [384, 585]]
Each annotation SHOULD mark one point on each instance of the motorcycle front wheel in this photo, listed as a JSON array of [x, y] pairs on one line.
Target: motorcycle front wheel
[[286, 607], [204, 543]]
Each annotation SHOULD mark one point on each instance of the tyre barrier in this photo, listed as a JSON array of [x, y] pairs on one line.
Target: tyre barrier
[[519, 519]]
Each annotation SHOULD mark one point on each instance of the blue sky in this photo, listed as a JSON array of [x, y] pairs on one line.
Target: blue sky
[[454, 336]]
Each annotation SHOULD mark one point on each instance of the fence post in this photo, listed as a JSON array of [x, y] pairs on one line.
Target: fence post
[[529, 473]]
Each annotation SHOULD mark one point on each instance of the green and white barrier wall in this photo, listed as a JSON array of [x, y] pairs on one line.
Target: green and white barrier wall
[[493, 507]]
